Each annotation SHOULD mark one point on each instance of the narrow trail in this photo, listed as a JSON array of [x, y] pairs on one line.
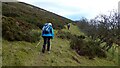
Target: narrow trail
[[62, 55]]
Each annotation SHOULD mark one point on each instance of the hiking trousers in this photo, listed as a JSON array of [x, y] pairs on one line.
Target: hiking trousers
[[46, 41], [68, 27]]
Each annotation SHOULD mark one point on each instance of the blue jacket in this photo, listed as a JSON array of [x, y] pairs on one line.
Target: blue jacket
[[49, 34]]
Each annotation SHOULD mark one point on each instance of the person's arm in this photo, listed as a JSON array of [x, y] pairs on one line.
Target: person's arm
[[42, 32], [52, 33]]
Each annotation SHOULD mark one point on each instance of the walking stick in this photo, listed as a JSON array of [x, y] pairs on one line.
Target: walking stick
[[37, 44]]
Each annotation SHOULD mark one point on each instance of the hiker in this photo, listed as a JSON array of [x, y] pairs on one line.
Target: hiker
[[47, 34], [68, 25]]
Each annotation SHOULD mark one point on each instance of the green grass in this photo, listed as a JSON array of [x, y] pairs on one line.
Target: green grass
[[113, 54], [20, 53], [73, 30], [17, 53]]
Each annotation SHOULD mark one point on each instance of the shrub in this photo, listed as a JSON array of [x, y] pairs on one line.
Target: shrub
[[77, 44], [81, 37], [87, 48], [35, 35], [18, 31], [64, 35]]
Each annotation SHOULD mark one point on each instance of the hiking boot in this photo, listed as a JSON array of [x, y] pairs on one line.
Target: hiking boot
[[48, 52], [43, 50]]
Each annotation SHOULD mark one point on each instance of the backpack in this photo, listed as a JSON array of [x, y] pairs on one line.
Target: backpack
[[46, 29]]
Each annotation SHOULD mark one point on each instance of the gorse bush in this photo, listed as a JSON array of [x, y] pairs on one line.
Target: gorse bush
[[81, 37], [35, 35], [13, 30], [87, 48], [64, 35], [58, 25]]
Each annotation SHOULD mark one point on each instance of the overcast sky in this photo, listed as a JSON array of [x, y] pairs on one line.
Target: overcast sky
[[75, 9]]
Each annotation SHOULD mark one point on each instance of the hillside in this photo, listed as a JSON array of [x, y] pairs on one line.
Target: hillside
[[61, 54], [21, 20], [21, 32], [32, 14]]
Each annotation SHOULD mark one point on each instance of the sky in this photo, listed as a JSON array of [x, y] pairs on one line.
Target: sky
[[76, 9]]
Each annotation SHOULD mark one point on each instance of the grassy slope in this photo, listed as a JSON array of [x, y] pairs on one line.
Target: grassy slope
[[24, 12], [24, 53]]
